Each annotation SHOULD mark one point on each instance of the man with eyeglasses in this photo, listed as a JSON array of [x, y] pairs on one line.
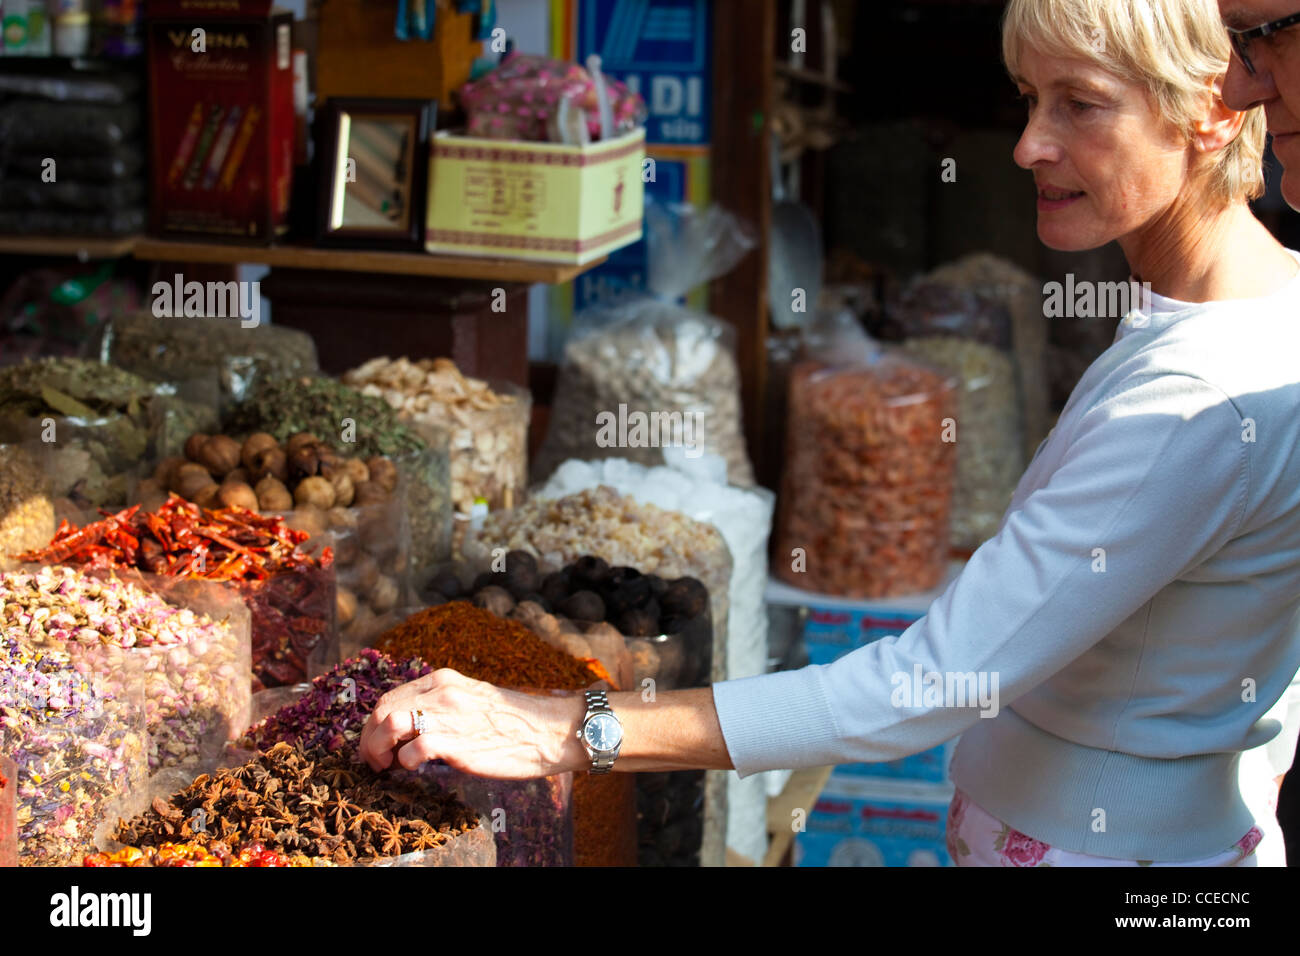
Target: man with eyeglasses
[[1265, 71]]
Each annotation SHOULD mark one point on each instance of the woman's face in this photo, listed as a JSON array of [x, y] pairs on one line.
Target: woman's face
[[1104, 162]]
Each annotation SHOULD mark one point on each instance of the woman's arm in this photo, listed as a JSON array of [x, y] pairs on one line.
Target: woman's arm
[[1155, 477], [507, 734]]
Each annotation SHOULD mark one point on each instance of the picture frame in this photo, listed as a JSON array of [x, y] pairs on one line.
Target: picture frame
[[374, 172]]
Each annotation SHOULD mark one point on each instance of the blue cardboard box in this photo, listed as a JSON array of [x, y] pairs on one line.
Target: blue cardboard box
[[857, 822]]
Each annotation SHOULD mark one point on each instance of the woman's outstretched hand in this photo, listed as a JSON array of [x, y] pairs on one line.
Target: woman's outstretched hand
[[475, 727]]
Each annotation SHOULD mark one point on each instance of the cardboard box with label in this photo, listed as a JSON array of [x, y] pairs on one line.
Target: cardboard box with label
[[545, 202]]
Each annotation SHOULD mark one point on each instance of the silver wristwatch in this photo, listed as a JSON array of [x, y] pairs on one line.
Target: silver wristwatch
[[601, 732]]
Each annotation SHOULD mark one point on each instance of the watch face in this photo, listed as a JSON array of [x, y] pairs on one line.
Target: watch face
[[603, 733]]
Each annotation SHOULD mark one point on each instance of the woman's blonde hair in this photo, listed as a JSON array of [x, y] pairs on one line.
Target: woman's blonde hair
[[1175, 48]]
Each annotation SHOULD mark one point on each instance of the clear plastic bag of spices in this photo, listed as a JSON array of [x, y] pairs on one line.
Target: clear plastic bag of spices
[[870, 456]]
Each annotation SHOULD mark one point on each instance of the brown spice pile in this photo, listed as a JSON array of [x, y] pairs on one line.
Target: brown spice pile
[[296, 802], [481, 645]]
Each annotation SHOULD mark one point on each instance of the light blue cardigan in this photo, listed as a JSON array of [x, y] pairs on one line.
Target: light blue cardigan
[[1140, 606]]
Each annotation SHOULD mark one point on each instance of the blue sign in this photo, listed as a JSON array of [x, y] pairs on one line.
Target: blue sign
[[663, 50]]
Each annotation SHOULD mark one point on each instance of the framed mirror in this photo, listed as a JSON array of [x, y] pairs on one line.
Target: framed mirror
[[375, 169]]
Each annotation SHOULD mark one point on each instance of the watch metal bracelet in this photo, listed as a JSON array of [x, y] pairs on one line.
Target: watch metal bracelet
[[598, 703]]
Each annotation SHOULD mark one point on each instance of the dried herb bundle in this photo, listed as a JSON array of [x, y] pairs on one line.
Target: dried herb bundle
[[286, 406], [297, 802]]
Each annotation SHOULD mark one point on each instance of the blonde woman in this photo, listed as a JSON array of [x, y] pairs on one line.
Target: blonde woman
[[1140, 602]]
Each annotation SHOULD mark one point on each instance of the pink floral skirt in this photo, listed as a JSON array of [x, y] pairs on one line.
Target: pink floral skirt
[[977, 838]]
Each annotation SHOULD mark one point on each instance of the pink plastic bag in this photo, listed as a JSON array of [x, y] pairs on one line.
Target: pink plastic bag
[[532, 98]]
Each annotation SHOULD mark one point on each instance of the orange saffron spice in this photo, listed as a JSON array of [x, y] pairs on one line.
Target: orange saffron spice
[[481, 645]]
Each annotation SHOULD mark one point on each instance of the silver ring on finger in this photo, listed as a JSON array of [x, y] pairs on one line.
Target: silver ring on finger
[[420, 722]]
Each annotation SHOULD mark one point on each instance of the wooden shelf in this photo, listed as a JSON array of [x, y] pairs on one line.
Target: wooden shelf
[[347, 260], [78, 247]]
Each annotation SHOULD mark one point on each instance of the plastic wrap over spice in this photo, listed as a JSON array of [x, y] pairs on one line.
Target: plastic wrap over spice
[[26, 509], [620, 530], [648, 373], [867, 488], [372, 563], [487, 422], [189, 639], [316, 406], [328, 713], [289, 593], [319, 805], [77, 740], [479, 644], [181, 349], [989, 456], [101, 422], [8, 812]]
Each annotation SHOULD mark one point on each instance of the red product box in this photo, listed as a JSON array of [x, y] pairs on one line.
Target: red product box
[[221, 118]]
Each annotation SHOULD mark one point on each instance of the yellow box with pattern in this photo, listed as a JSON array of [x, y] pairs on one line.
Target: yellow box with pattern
[[545, 202]]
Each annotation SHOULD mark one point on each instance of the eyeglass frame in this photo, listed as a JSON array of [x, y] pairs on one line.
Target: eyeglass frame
[[1242, 39]]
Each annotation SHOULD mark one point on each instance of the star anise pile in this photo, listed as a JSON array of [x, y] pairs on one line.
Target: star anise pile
[[304, 802]]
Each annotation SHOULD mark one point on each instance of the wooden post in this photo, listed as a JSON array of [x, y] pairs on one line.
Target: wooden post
[[744, 42]]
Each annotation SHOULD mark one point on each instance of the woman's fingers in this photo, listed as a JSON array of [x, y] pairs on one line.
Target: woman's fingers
[[392, 720]]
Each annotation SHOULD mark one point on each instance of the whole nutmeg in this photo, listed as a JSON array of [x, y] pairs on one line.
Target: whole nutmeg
[[343, 490], [382, 471], [190, 479], [346, 547], [345, 604], [165, 473], [272, 495], [331, 462], [555, 587], [273, 462], [303, 462], [685, 598], [366, 571], [239, 474], [300, 439], [357, 470], [535, 598], [194, 445], [308, 518], [495, 599], [368, 493], [639, 623], [314, 491], [583, 606], [575, 645], [588, 572], [528, 614], [446, 582], [237, 494], [383, 594], [342, 518], [206, 497], [254, 445], [220, 455]]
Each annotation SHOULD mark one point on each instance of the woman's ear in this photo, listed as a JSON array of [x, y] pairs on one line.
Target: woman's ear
[[1219, 126]]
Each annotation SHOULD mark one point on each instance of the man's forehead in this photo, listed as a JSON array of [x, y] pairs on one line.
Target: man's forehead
[[1245, 14]]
